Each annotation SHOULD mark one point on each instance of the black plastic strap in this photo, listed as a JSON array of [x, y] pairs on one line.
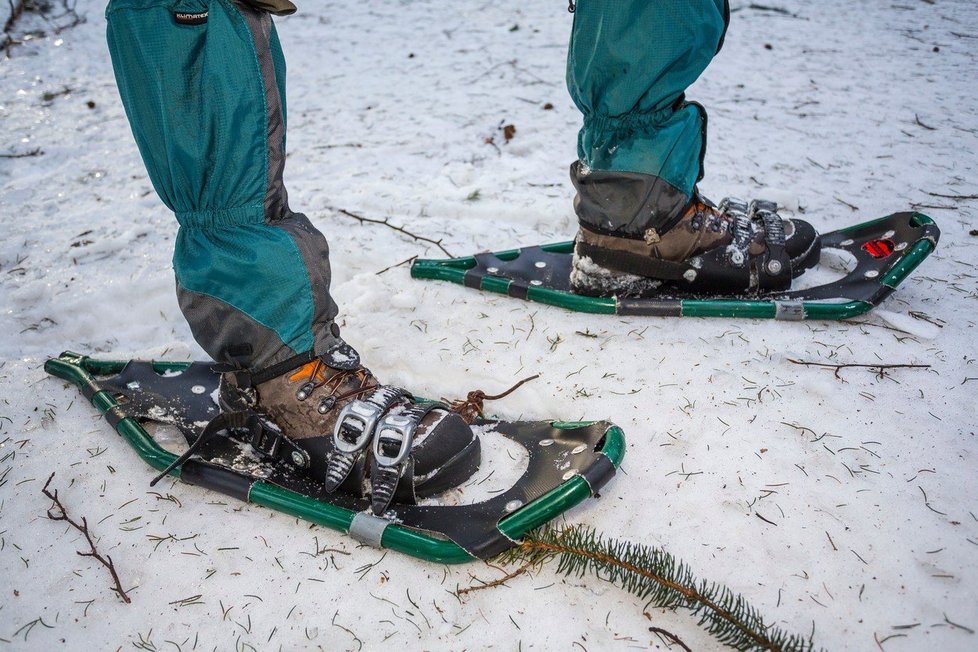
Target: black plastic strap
[[647, 266], [385, 396], [114, 415], [284, 367], [773, 266], [599, 474], [211, 476], [518, 289], [221, 422], [89, 388]]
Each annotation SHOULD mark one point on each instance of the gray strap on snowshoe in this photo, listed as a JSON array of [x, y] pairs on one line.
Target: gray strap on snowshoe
[[393, 441], [354, 429]]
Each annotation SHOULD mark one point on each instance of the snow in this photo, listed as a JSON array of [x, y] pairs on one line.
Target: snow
[[587, 273], [866, 484], [504, 461]]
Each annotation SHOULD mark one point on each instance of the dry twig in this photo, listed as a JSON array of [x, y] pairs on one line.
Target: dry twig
[[34, 152], [502, 580], [474, 403], [669, 636], [400, 229], [838, 367], [57, 512], [403, 262]]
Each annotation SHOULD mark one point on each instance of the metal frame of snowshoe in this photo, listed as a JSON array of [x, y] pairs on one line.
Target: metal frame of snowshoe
[[429, 544], [541, 274]]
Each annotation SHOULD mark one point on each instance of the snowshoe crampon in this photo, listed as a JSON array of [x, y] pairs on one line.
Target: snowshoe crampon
[[881, 254], [565, 463]]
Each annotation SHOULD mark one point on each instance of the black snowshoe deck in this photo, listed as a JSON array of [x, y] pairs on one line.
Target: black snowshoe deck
[[886, 251], [567, 462]]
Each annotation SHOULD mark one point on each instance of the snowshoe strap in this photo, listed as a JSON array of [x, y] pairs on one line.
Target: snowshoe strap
[[267, 441], [623, 261], [737, 252], [393, 441], [225, 421], [771, 270], [773, 267], [354, 428]]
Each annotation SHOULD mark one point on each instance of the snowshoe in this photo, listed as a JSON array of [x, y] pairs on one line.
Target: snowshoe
[[239, 451], [877, 256]]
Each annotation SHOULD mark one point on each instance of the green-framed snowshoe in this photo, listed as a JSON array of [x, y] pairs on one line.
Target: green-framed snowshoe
[[886, 251], [566, 463]]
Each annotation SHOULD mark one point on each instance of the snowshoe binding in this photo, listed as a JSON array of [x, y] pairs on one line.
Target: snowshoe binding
[[326, 442], [733, 249], [355, 435]]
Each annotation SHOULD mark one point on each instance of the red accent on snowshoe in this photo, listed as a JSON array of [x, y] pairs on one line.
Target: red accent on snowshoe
[[879, 248]]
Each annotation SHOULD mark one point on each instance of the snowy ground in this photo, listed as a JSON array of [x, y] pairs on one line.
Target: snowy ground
[[844, 507]]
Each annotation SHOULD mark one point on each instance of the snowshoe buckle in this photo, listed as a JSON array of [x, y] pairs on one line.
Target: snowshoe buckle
[[354, 428], [389, 462], [394, 430], [355, 425], [774, 267]]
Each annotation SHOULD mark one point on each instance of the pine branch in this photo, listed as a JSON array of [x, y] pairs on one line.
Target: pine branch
[[655, 576]]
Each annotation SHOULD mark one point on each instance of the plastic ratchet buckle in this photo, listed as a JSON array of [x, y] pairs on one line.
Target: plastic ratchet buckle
[[394, 430], [774, 267], [354, 428]]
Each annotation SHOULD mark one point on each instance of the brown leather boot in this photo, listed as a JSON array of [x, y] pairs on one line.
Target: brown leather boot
[[348, 429], [639, 237]]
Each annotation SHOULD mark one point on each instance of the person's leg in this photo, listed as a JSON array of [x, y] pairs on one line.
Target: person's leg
[[629, 64], [203, 84], [641, 152]]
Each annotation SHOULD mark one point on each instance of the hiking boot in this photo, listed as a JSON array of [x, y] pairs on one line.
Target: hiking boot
[[639, 238], [349, 433]]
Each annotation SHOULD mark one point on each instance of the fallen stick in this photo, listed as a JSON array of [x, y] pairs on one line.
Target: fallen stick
[[399, 229], [62, 515], [839, 367]]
